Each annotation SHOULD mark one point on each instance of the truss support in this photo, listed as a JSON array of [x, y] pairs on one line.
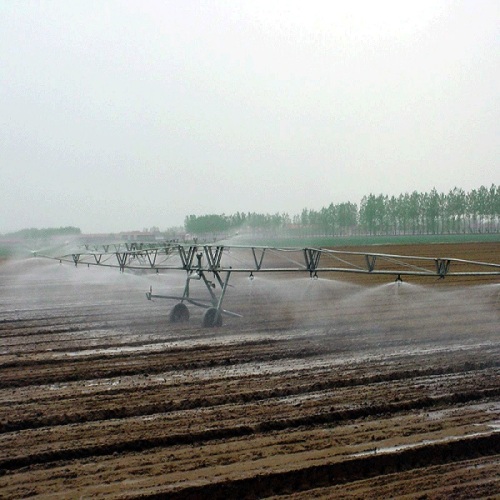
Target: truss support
[[312, 257], [187, 257], [151, 255], [213, 256], [122, 260], [370, 262], [258, 258], [442, 267]]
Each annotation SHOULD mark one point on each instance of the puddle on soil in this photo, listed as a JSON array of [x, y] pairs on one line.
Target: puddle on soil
[[228, 340], [494, 426], [492, 407]]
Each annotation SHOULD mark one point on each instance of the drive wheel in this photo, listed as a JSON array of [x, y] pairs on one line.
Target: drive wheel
[[179, 313], [212, 318]]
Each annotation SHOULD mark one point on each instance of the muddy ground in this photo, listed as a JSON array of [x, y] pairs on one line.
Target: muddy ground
[[328, 388]]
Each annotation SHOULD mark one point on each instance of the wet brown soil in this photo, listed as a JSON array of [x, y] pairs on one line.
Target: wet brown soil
[[329, 388]]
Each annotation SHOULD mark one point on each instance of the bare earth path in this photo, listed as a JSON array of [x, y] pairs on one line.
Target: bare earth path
[[326, 388]]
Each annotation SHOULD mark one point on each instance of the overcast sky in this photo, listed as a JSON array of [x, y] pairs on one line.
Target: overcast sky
[[121, 115]]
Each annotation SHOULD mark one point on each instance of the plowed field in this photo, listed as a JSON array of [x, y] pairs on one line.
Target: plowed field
[[328, 388]]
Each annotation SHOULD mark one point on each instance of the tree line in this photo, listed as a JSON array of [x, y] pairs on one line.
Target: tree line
[[457, 211], [33, 233]]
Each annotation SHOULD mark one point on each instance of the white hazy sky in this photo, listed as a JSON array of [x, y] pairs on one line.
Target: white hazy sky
[[120, 115]]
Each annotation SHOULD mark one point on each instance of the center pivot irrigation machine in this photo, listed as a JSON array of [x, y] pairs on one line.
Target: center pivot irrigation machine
[[218, 262]]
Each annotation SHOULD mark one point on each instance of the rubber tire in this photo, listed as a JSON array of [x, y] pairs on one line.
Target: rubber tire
[[179, 313], [212, 318]]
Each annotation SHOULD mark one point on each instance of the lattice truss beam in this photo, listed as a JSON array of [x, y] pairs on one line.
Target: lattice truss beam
[[212, 265], [254, 259]]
